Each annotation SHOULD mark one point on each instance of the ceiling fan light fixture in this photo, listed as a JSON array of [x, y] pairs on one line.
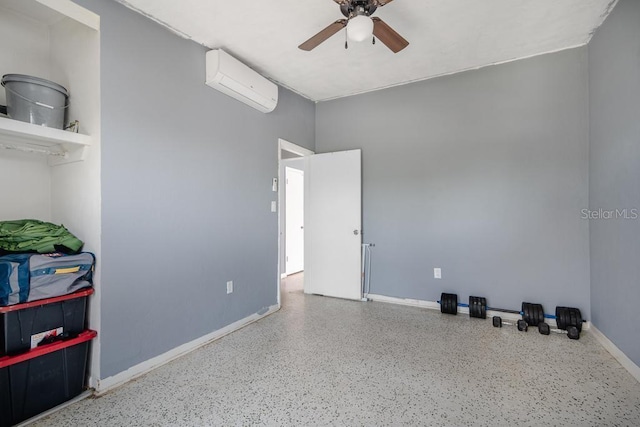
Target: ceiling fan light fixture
[[359, 28]]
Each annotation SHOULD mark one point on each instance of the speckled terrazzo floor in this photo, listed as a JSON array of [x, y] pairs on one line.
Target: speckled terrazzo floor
[[324, 361]]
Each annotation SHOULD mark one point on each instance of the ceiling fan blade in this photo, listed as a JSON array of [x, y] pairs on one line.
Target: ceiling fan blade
[[323, 35], [341, 2], [388, 36], [383, 2]]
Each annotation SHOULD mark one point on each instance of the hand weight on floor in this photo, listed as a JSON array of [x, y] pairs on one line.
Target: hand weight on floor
[[521, 324], [571, 331]]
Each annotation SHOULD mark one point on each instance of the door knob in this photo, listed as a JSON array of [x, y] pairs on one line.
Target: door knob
[[355, 232]]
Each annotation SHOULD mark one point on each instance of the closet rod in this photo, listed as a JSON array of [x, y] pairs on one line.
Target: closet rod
[[33, 150]]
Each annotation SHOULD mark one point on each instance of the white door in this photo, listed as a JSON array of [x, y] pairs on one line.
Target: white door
[[333, 212], [294, 220]]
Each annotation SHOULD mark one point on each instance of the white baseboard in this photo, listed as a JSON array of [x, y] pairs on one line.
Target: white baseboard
[[622, 358], [405, 301], [107, 384]]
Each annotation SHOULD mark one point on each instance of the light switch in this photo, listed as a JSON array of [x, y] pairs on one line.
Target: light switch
[[437, 273], [274, 206]]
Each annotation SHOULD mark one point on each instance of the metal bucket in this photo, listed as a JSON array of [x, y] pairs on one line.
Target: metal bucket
[[35, 100]]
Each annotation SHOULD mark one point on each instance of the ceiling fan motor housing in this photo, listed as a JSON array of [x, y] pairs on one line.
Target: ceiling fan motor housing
[[358, 7]]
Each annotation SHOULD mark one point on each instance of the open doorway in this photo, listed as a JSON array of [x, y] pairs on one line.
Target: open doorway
[[291, 167], [294, 216], [332, 220]]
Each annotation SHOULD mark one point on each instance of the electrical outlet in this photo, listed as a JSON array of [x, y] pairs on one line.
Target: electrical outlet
[[274, 206], [230, 286], [437, 273]]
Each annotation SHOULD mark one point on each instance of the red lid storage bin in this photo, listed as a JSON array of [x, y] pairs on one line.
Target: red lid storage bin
[[23, 326], [33, 382]]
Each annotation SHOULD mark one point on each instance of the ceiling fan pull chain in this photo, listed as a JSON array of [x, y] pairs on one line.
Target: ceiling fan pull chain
[[346, 40], [373, 40]]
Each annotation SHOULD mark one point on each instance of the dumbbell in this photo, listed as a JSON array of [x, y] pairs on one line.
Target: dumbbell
[[568, 319], [533, 315], [521, 324], [571, 331]]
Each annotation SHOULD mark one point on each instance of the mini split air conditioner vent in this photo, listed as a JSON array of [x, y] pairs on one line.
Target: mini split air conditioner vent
[[231, 77]]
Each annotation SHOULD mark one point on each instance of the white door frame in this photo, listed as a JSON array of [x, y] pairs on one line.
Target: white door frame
[[300, 151]]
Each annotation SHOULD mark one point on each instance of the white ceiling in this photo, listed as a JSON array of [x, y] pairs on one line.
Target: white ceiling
[[446, 36]]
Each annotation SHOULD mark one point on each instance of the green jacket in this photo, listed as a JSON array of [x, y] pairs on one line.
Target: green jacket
[[31, 235]]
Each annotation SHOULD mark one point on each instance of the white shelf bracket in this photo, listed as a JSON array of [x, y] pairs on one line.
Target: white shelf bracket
[[77, 154]]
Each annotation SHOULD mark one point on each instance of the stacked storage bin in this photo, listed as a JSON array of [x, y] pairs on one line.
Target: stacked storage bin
[[44, 344]]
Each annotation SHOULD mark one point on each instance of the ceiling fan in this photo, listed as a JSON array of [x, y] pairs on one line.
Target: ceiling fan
[[360, 25]]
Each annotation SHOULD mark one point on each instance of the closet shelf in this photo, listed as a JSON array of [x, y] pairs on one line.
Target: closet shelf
[[61, 146]]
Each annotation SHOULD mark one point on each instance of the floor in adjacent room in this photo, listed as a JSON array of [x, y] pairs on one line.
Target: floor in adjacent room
[[325, 361]]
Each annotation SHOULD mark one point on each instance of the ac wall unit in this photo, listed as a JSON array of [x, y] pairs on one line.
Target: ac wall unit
[[231, 77]]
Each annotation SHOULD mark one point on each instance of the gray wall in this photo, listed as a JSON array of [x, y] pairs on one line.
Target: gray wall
[[614, 85], [186, 192], [483, 174]]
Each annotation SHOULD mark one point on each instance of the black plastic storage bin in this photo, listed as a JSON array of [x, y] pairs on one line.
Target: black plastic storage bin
[[52, 316], [33, 382]]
